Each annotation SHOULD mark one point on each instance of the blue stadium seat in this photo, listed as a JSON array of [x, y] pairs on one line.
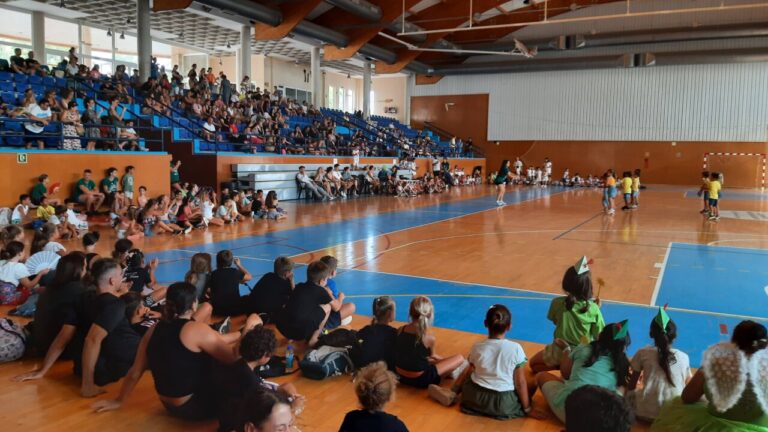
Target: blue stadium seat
[[21, 78], [8, 97], [34, 79], [53, 141], [61, 82], [6, 76], [49, 81], [6, 86], [38, 88], [18, 129]]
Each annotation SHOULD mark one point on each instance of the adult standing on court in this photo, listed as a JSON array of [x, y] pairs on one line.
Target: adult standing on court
[[518, 166], [501, 181]]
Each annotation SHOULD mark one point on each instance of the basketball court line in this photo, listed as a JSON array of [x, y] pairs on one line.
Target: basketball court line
[[661, 275]]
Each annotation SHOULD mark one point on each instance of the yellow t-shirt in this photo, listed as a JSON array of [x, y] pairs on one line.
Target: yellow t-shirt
[[45, 212], [626, 185], [610, 181], [635, 184], [714, 189]]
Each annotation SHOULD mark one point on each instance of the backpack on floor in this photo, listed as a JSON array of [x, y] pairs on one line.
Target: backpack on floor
[[11, 295], [325, 362], [339, 338], [274, 368], [12, 340]]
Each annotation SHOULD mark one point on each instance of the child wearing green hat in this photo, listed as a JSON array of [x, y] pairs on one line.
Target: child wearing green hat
[[576, 316], [664, 370], [602, 363]]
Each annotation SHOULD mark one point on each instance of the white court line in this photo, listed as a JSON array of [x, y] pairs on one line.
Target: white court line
[[428, 223], [546, 295], [661, 276]]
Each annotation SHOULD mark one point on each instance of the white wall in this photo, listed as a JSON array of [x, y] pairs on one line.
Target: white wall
[[685, 103], [278, 72], [389, 92]]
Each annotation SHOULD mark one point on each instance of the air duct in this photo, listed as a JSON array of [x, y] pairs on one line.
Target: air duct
[[378, 52], [248, 9], [517, 66], [323, 34], [360, 8]]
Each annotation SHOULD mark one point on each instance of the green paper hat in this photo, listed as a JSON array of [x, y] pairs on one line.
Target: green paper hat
[[621, 330], [662, 319], [582, 266]]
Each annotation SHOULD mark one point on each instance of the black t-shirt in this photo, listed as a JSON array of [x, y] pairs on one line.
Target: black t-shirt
[[139, 278], [55, 308], [304, 302], [122, 341], [232, 382], [18, 61], [269, 295], [377, 343], [367, 421], [81, 315], [225, 291]]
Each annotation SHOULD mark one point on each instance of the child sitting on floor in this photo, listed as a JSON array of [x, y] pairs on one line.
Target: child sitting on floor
[[664, 370], [416, 362], [494, 385], [343, 316], [576, 317], [142, 277], [377, 340], [138, 314], [374, 386]]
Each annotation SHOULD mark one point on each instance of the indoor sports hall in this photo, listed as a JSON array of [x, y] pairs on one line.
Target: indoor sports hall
[[470, 215]]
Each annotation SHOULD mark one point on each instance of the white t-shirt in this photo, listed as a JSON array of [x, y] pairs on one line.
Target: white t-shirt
[[54, 247], [36, 111], [19, 212], [12, 272], [495, 361], [548, 167], [207, 209], [336, 175], [656, 389]]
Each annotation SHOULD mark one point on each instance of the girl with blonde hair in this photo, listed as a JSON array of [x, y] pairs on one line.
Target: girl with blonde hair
[[416, 361], [374, 386]]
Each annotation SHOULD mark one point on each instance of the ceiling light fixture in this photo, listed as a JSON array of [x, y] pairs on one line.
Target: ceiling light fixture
[[228, 45], [181, 35], [122, 34], [109, 32], [62, 4]]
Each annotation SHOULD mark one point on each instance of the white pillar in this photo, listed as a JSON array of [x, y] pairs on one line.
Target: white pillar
[[410, 84], [38, 37], [245, 52], [366, 89], [143, 39], [317, 89]]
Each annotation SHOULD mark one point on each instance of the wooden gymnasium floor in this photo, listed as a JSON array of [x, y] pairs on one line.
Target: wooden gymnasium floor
[[466, 254]]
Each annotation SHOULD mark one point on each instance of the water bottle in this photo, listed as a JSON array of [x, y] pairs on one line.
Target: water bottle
[[289, 357]]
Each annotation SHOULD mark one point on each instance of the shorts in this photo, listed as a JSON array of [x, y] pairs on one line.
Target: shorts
[[612, 192], [334, 320], [429, 376], [300, 330], [201, 406], [128, 195], [550, 389], [628, 196], [107, 372], [32, 137], [499, 180], [478, 400], [552, 355], [635, 194], [706, 197], [713, 202]]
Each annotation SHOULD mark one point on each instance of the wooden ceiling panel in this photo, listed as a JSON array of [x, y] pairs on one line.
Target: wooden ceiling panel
[[293, 13]]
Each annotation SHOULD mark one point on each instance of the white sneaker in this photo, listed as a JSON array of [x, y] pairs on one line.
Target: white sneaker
[[499, 203], [442, 395], [188, 229], [459, 370], [346, 321]]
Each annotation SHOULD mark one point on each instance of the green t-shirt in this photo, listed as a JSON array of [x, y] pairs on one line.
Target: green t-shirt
[[109, 185], [127, 183], [38, 192], [175, 178], [600, 374], [573, 326], [90, 185]]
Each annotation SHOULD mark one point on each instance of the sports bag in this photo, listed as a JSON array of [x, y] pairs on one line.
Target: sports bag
[[326, 362], [12, 340]]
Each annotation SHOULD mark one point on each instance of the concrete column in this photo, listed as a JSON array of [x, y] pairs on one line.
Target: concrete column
[[367, 89], [410, 85], [317, 83], [245, 52], [38, 37], [143, 39]]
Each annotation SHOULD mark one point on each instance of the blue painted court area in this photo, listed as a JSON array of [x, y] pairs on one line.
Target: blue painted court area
[[462, 306], [733, 195], [724, 280]]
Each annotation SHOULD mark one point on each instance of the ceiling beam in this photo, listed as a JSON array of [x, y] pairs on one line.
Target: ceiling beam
[[360, 30], [426, 79], [293, 14], [166, 5]]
